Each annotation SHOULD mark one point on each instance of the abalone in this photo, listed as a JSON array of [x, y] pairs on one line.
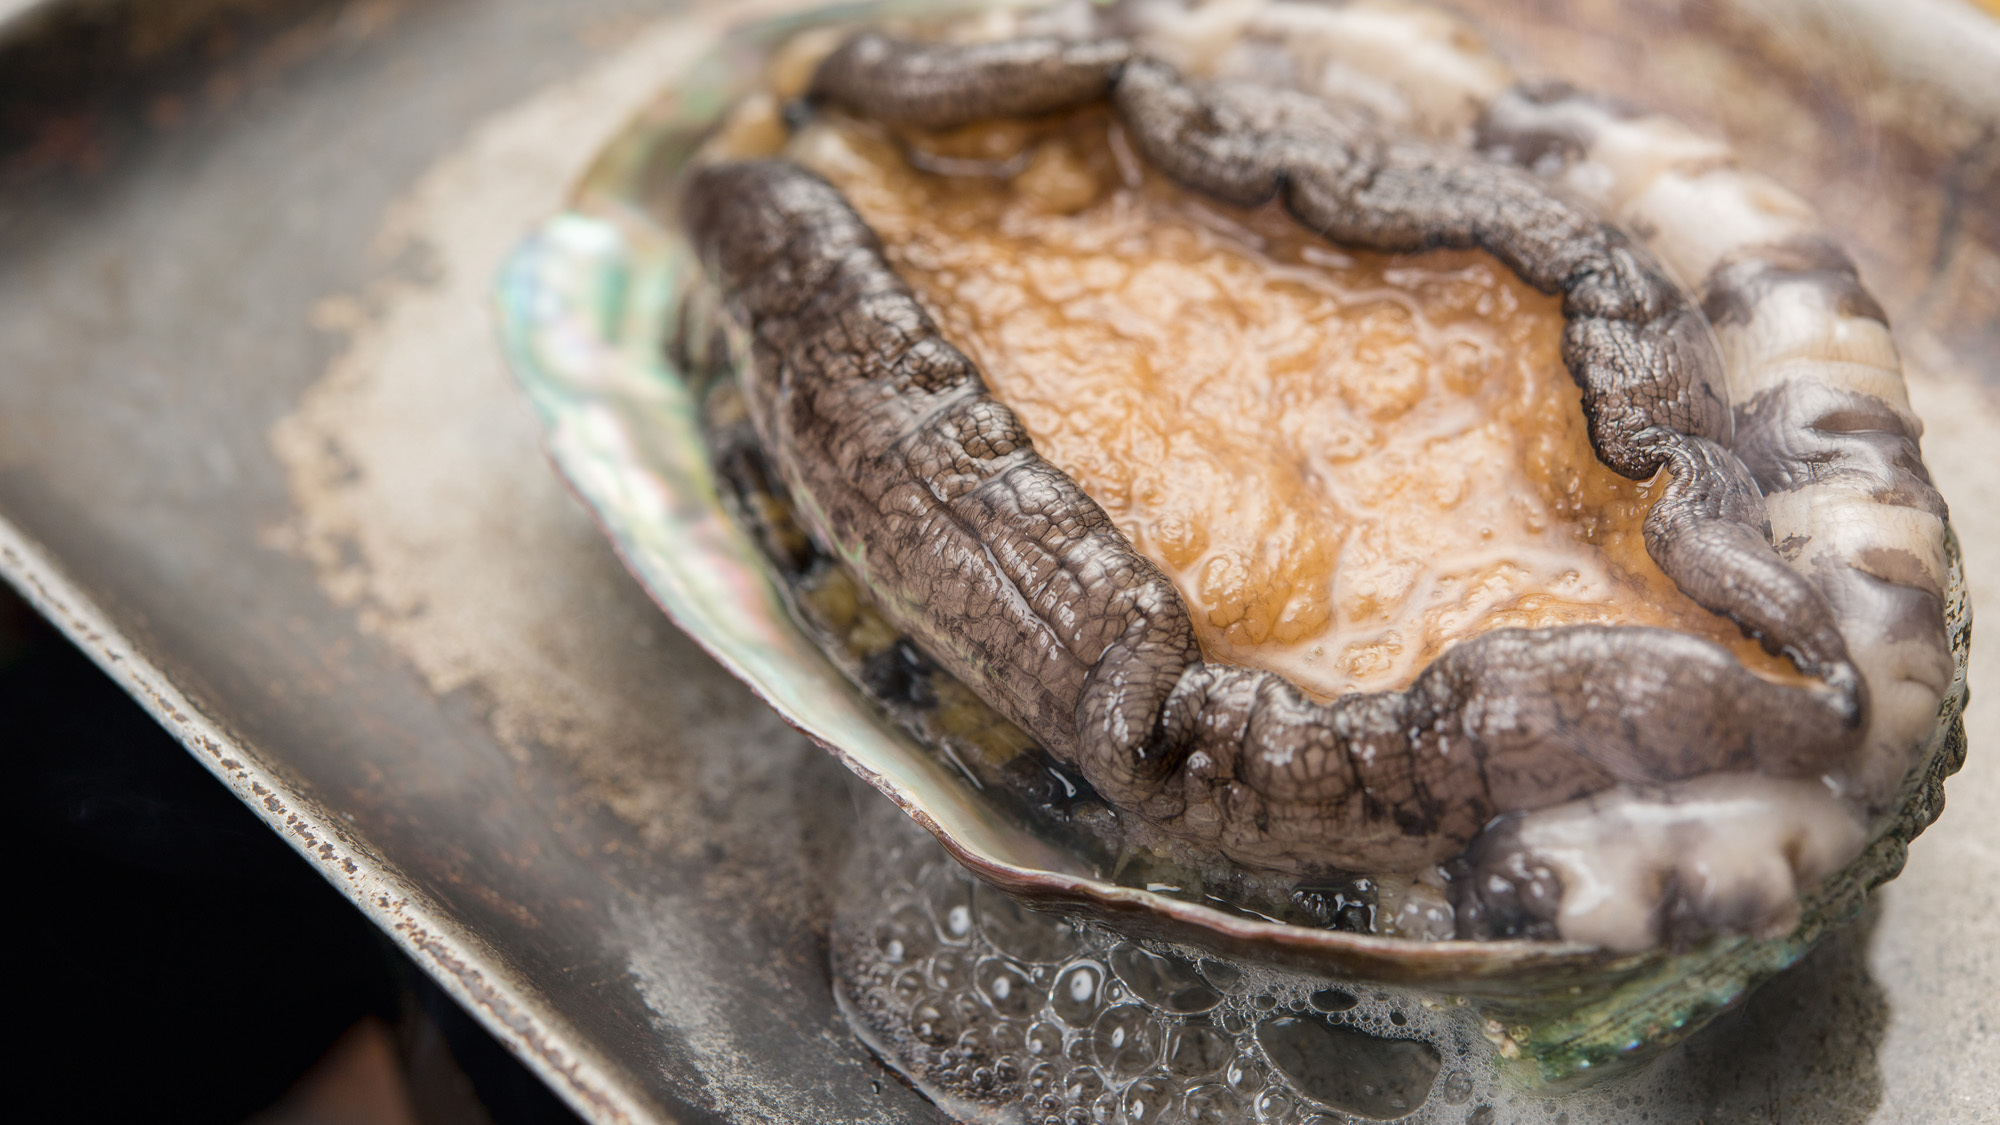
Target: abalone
[[1719, 819], [1014, 581]]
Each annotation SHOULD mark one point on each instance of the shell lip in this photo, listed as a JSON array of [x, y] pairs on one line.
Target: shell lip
[[1436, 960]]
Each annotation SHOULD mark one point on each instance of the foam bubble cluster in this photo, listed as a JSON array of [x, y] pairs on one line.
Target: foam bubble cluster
[[1004, 1014]]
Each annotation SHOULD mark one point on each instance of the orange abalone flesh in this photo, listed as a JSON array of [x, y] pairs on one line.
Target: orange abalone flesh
[[1346, 461]]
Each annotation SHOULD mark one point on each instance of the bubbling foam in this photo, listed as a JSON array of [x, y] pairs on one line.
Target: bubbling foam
[[1002, 1014]]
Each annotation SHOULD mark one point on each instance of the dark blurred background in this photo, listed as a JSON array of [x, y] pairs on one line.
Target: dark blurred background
[[174, 960]]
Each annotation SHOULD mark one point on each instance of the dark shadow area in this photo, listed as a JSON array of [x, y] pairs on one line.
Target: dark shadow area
[[173, 959]]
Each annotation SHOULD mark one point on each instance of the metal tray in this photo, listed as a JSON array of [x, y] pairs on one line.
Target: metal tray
[[259, 456]]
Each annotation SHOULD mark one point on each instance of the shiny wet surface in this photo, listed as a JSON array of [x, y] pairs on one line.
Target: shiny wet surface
[[250, 405], [1345, 462]]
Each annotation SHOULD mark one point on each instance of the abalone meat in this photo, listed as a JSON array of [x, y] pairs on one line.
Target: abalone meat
[[1602, 819]]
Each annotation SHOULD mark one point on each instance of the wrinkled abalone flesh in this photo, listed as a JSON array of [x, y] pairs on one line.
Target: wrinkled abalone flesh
[[1614, 785], [1680, 809]]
